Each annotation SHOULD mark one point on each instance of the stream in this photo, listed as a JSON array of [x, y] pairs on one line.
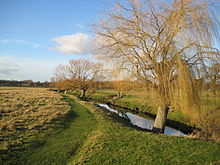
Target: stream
[[142, 122]]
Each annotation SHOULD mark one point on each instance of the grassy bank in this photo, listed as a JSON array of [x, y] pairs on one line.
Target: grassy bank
[[141, 100], [59, 146], [115, 141]]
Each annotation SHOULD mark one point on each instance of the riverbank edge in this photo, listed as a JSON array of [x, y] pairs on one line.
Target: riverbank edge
[[185, 128], [92, 147]]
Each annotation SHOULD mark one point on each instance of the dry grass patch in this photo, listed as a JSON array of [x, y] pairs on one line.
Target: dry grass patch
[[26, 112]]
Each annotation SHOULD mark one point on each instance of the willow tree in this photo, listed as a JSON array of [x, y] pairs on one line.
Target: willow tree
[[161, 43], [214, 76], [81, 74]]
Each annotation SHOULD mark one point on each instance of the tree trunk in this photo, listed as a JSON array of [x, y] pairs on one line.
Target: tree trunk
[[160, 121], [83, 93]]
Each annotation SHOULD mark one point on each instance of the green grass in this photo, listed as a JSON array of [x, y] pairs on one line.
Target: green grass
[[59, 146], [117, 142]]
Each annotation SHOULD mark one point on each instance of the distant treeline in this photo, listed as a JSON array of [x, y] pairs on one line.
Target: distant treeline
[[24, 83]]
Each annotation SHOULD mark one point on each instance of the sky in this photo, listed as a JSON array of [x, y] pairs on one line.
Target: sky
[[38, 35]]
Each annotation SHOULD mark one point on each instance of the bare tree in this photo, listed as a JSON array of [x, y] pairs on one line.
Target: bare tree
[[80, 75], [121, 81], [122, 87], [161, 43], [61, 84]]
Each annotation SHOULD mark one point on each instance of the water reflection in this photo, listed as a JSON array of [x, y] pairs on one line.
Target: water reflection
[[142, 122]]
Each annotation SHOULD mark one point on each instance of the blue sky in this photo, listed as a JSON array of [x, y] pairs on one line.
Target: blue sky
[[38, 35], [29, 29]]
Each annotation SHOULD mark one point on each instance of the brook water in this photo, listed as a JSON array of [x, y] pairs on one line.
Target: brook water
[[142, 122]]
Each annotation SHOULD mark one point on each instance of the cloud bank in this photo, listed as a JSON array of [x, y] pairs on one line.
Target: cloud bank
[[14, 68], [7, 67], [32, 44], [75, 44]]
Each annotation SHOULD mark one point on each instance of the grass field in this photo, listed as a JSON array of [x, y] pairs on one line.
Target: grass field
[[26, 113], [90, 135]]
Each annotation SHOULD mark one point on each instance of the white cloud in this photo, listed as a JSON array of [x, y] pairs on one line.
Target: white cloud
[[14, 68], [32, 44], [74, 44]]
